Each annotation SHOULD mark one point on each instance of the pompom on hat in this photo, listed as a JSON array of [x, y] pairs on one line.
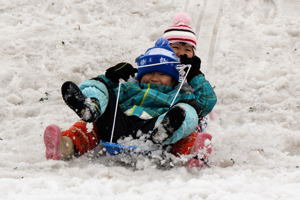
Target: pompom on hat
[[181, 30], [160, 58]]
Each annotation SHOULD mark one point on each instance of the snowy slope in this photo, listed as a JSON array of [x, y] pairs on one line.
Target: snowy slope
[[250, 52]]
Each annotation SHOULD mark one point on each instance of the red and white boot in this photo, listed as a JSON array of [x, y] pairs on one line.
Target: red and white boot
[[201, 149], [197, 145]]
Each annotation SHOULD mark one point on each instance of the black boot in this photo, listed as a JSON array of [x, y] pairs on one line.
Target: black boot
[[171, 122], [86, 108]]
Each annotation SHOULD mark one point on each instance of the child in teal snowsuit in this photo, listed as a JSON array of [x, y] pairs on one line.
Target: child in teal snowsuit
[[144, 104]]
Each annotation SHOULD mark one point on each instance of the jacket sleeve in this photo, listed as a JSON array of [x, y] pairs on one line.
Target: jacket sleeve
[[102, 78], [205, 95]]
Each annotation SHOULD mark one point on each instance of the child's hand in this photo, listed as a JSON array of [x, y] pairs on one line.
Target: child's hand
[[121, 70], [195, 63]]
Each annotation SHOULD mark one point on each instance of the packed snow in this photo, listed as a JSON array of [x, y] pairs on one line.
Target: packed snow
[[250, 53]]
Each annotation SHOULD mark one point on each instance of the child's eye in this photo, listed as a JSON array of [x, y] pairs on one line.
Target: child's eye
[[188, 50]]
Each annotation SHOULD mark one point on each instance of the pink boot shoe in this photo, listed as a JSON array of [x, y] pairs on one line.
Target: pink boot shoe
[[52, 140]]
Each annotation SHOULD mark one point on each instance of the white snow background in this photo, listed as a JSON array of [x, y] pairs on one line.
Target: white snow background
[[250, 51]]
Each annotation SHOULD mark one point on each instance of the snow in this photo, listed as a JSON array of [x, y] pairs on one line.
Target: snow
[[250, 52]]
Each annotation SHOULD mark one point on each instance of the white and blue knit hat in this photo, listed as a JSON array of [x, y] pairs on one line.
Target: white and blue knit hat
[[160, 58]]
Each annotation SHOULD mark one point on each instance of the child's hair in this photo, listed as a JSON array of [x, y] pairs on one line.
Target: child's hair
[[181, 30], [160, 58]]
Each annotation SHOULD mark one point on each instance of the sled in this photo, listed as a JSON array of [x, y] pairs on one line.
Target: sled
[[114, 148]]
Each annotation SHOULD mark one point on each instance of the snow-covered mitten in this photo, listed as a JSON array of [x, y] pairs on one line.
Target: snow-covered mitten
[[170, 123], [87, 109]]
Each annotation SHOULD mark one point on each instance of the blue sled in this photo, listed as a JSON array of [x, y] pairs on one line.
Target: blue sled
[[115, 149]]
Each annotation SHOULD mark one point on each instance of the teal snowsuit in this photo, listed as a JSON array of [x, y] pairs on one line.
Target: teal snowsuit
[[148, 101]]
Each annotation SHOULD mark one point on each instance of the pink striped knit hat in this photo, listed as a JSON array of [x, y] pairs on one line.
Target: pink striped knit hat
[[181, 30]]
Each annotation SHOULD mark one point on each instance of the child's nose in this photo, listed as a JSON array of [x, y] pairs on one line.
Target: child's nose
[[154, 78]]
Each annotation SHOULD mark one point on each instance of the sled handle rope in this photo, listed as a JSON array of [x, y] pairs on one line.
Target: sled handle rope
[[116, 108], [182, 82]]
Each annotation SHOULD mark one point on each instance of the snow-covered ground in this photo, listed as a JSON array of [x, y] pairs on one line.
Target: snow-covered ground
[[250, 52]]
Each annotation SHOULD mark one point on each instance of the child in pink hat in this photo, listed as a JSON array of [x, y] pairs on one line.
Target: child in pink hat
[[181, 36]]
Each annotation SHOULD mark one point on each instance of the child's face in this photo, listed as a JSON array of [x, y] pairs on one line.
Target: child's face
[[181, 48], [157, 78]]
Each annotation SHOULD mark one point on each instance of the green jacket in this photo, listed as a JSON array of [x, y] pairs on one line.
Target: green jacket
[[152, 100]]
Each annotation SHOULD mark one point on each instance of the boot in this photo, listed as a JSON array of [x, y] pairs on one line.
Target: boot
[[87, 109], [57, 147], [83, 140], [198, 145], [202, 149]]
